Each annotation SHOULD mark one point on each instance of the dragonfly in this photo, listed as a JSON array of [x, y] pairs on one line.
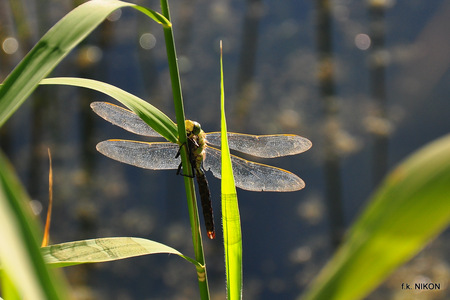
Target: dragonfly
[[203, 155]]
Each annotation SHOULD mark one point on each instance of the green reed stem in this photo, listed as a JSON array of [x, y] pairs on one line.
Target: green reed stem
[[188, 180]]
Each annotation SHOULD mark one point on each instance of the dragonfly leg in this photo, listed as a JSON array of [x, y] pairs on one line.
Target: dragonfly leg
[[178, 154], [180, 171], [191, 159]]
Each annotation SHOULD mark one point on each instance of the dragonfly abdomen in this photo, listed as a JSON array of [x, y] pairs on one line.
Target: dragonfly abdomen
[[205, 197]]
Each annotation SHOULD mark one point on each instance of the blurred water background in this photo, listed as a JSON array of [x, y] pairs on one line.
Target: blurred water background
[[366, 81]]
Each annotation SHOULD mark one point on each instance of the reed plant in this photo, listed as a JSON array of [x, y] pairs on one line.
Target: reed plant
[[409, 208]]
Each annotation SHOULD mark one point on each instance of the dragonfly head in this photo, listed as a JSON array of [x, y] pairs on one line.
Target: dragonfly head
[[193, 127]]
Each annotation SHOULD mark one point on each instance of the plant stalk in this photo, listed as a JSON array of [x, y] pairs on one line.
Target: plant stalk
[[187, 169]]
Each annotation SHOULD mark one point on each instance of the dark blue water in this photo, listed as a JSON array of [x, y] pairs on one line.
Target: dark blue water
[[286, 236]]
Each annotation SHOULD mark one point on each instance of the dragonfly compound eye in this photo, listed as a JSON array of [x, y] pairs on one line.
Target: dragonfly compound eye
[[197, 128]]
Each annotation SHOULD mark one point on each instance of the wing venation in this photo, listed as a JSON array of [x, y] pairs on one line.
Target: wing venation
[[266, 146], [254, 176], [124, 118], [154, 156]]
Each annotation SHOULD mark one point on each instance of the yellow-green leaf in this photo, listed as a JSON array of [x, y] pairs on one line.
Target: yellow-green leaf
[[230, 210], [19, 251], [54, 46], [411, 207], [103, 250]]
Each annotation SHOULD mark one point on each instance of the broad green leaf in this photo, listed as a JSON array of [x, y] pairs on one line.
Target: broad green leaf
[[230, 210], [54, 46], [20, 257], [147, 112], [411, 207], [103, 250]]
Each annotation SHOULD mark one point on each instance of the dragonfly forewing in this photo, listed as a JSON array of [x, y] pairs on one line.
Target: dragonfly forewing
[[154, 156], [253, 176], [124, 118], [266, 146]]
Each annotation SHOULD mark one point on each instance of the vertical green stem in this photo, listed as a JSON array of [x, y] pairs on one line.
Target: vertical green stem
[[188, 181]]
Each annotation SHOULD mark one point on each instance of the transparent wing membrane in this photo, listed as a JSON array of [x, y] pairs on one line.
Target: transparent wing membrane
[[266, 146], [154, 156], [124, 118], [248, 175], [253, 176]]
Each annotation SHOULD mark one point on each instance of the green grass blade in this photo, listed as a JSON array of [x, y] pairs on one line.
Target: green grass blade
[[103, 250], [19, 251], [147, 112], [411, 207], [230, 210], [53, 47], [157, 17]]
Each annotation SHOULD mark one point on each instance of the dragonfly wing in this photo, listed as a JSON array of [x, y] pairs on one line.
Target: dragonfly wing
[[155, 156], [124, 118], [253, 176], [266, 146]]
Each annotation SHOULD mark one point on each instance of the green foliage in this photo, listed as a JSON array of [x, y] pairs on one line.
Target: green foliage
[[19, 252], [231, 221], [103, 250], [26, 268], [8, 287], [54, 46], [411, 207], [202, 276], [147, 112]]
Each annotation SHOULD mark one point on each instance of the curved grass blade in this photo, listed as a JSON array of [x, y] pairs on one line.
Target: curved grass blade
[[19, 251], [54, 46], [230, 209], [147, 112], [411, 207], [123, 118], [103, 250]]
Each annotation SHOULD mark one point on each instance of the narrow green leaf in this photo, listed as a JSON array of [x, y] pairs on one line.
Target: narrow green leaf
[[19, 251], [157, 17], [230, 209], [54, 46], [147, 112], [411, 207], [103, 250]]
